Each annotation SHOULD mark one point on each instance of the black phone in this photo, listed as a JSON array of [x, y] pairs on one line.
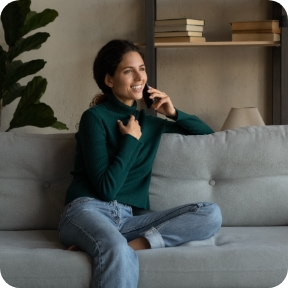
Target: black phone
[[146, 95]]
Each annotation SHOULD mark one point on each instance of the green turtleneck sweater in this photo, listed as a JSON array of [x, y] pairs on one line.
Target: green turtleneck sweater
[[111, 166]]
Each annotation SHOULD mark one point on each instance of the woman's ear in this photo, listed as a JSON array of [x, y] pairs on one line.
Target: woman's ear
[[108, 80]]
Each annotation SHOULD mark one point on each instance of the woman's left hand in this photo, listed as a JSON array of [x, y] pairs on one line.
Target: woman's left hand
[[162, 103]]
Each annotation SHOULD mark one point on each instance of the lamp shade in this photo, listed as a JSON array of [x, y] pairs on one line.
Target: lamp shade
[[242, 117]]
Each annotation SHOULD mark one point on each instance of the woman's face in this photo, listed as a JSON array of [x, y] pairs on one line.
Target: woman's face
[[129, 79]]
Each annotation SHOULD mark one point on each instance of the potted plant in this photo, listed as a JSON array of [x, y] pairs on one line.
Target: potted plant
[[17, 21]]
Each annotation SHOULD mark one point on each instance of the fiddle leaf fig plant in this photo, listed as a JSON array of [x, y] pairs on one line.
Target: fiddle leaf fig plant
[[17, 21]]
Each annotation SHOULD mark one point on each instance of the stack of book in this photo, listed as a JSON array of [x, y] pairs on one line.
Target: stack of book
[[179, 30], [268, 30]]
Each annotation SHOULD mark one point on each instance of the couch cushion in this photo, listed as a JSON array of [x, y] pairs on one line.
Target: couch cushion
[[234, 257], [35, 259], [245, 171], [240, 257], [34, 176]]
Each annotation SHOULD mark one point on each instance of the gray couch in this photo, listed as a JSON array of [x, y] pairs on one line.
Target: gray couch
[[245, 171]]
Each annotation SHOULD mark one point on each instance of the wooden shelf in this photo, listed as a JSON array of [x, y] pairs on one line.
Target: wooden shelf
[[217, 44], [279, 56]]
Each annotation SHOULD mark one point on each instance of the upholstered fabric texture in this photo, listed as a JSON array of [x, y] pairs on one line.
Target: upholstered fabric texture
[[235, 257], [244, 165], [245, 171], [34, 175]]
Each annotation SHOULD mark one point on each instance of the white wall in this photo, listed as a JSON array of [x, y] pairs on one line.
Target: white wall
[[203, 81]]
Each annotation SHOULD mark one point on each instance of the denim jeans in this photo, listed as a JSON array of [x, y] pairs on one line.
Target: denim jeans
[[102, 229]]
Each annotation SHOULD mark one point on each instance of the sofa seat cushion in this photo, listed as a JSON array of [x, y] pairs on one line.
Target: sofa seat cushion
[[37, 259], [234, 257]]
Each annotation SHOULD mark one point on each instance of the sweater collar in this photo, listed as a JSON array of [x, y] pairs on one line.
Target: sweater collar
[[117, 106]]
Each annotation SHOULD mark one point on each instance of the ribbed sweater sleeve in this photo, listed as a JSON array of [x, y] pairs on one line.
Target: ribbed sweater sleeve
[[187, 125], [106, 176]]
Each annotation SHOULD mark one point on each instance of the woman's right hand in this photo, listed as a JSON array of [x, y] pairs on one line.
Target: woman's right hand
[[133, 128]]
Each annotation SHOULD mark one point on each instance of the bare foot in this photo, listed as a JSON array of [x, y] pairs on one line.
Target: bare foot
[[74, 248], [139, 244]]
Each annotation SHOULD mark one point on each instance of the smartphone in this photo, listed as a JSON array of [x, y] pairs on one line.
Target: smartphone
[[146, 96]]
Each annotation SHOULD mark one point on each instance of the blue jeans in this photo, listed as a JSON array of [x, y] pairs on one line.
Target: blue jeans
[[102, 229]]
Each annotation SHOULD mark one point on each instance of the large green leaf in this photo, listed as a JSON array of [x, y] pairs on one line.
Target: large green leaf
[[29, 16], [2, 80], [12, 21], [24, 6], [23, 70], [11, 67], [39, 20], [14, 92], [60, 126], [3, 59], [30, 43], [39, 115], [32, 93]]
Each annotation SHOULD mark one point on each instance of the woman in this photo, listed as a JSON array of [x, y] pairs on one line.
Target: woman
[[116, 146]]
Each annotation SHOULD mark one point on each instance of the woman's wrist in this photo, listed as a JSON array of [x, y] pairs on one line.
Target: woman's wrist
[[174, 115]]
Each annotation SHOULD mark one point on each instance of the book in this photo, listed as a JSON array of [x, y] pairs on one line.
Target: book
[[256, 37], [175, 34], [179, 39], [183, 27], [179, 21], [277, 31], [255, 25]]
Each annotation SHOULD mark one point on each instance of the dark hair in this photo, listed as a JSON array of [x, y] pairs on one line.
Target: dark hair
[[107, 61]]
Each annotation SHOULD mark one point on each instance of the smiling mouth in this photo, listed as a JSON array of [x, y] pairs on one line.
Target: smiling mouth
[[137, 88]]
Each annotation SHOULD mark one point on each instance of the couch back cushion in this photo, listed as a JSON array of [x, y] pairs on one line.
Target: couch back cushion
[[34, 176], [245, 171]]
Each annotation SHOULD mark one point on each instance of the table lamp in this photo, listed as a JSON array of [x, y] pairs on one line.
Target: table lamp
[[242, 117]]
